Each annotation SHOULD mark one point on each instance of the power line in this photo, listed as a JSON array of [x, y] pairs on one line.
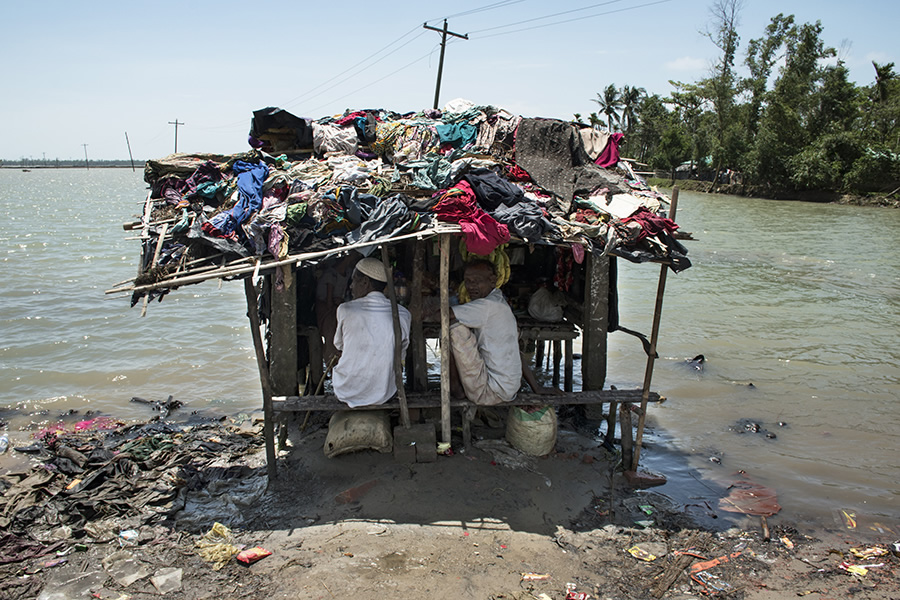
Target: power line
[[306, 96], [379, 80], [478, 10], [550, 16], [600, 14], [360, 63]]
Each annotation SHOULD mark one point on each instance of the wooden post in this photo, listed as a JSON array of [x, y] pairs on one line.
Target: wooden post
[[398, 334], [283, 339], [268, 425], [557, 358], [159, 245], [596, 323], [654, 336], [419, 370], [569, 365], [445, 338]]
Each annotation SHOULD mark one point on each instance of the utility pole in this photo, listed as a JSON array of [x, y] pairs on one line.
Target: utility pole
[[176, 124], [443, 32], [127, 143], [86, 163]]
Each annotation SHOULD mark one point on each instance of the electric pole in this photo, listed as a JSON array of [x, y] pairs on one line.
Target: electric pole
[[176, 124], [86, 163], [443, 32]]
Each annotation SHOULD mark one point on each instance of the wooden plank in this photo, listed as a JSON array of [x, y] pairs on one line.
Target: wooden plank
[[596, 320], [398, 341], [282, 355], [654, 337], [445, 338], [268, 413], [419, 370], [433, 400]]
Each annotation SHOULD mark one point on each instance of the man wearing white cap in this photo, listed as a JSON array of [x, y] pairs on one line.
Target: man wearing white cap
[[364, 374]]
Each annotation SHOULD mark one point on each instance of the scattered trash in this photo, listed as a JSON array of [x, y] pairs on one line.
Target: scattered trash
[[641, 554], [849, 518], [645, 523], [535, 576], [572, 594], [125, 568], [4, 443], [711, 581], [128, 537], [868, 552], [251, 555], [215, 546], [787, 542], [443, 448], [167, 580]]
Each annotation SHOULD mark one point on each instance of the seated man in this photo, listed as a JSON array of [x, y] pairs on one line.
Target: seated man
[[364, 338], [484, 338]]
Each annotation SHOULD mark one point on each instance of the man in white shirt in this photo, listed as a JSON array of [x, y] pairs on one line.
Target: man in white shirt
[[484, 338], [364, 374]]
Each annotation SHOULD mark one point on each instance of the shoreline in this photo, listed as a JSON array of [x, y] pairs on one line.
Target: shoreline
[[824, 197], [488, 523]]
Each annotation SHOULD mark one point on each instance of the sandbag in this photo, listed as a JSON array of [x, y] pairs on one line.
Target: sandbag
[[350, 431], [532, 430]]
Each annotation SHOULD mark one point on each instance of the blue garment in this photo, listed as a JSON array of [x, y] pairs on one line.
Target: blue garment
[[250, 179], [458, 135]]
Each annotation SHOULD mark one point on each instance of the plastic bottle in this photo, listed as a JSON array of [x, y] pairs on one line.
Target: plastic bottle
[[4, 443]]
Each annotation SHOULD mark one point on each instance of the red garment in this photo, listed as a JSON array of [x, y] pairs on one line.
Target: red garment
[[517, 173], [610, 155], [651, 224], [482, 232]]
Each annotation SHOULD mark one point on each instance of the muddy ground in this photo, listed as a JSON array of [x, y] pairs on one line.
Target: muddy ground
[[488, 523]]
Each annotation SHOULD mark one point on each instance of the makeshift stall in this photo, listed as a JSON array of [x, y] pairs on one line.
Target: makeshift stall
[[423, 192]]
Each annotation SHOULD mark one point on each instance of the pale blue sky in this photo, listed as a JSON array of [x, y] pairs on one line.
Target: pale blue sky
[[86, 72]]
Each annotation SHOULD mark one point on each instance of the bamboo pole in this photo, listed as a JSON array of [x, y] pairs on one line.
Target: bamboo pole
[[445, 338], [268, 425], [398, 342], [233, 271], [159, 244], [654, 336]]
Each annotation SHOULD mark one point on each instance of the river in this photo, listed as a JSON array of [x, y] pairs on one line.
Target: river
[[800, 300]]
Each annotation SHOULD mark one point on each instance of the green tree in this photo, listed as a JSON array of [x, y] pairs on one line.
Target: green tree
[[651, 119], [674, 148], [610, 103]]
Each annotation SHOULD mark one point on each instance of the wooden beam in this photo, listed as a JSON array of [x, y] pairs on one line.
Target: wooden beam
[[419, 370], [398, 341], [282, 355], [654, 337], [268, 413], [433, 400], [445, 338]]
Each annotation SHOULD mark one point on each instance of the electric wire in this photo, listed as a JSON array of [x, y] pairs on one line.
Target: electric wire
[[600, 14], [550, 16]]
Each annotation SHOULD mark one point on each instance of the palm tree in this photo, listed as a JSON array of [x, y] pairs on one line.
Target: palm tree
[[610, 103], [631, 98]]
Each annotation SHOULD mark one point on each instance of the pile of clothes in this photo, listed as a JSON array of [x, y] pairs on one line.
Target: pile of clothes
[[308, 185]]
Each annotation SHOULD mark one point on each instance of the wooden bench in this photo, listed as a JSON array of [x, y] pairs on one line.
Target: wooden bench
[[330, 403]]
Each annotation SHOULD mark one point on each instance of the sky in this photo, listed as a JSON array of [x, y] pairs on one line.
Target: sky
[[77, 73]]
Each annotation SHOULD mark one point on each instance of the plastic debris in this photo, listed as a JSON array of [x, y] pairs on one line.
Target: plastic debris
[[573, 594], [849, 518], [535, 576], [128, 537], [251, 555], [641, 554], [787, 542], [167, 580], [868, 552], [215, 546], [124, 568]]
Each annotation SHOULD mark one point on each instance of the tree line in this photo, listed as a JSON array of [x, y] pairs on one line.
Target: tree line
[[792, 122]]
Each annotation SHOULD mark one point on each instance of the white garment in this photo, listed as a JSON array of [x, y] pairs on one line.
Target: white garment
[[495, 329], [364, 374]]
